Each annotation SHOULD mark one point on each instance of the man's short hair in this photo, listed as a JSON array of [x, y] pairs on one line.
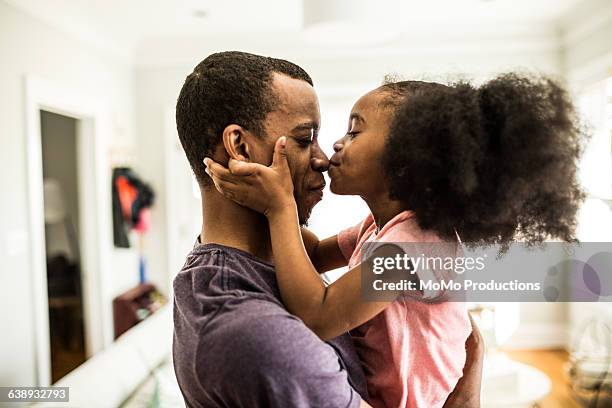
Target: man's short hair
[[227, 88]]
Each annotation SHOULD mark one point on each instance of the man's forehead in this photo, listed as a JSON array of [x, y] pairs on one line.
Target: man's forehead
[[297, 100]]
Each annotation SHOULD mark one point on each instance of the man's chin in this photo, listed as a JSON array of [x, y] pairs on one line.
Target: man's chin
[[304, 214], [308, 201]]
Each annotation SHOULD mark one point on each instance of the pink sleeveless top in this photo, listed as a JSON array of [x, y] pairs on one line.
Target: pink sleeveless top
[[412, 352]]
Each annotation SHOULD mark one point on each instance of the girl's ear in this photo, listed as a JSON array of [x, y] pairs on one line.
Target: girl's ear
[[235, 143]]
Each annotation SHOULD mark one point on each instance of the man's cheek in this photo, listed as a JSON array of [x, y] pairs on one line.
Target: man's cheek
[[296, 188], [291, 161]]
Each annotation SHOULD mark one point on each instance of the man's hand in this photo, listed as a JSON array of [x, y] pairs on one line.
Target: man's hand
[[467, 391], [263, 189]]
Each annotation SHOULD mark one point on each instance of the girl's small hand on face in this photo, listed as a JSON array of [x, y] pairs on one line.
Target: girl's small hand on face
[[267, 190]]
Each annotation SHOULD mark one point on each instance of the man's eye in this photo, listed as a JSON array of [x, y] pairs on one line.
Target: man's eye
[[304, 142]]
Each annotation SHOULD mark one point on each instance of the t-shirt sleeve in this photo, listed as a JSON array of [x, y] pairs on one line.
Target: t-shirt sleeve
[[348, 239], [275, 361]]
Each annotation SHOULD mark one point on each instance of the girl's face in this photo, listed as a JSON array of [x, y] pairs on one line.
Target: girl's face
[[356, 167]]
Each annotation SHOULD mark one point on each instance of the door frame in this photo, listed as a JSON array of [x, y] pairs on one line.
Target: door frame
[[95, 229]]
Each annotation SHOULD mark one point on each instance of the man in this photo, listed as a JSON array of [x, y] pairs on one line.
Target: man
[[234, 342]]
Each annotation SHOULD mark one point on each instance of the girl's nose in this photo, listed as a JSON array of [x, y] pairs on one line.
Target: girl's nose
[[337, 147]]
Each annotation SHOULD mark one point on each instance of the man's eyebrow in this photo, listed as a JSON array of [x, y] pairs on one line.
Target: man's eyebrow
[[306, 126]]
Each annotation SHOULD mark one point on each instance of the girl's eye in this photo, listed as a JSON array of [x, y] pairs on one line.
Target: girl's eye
[[352, 134]]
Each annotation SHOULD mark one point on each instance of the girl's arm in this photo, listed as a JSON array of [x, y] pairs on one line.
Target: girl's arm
[[327, 310], [325, 255]]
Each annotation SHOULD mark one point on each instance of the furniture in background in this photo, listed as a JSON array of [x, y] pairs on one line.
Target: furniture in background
[[135, 305], [590, 365]]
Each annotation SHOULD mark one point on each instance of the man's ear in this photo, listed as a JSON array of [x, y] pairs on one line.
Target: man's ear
[[235, 143]]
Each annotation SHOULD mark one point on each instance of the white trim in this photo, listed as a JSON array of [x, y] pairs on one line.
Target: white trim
[[475, 41], [579, 29], [534, 336], [94, 202]]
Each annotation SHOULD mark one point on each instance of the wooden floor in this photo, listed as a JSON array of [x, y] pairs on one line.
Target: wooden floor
[[551, 363], [65, 358]]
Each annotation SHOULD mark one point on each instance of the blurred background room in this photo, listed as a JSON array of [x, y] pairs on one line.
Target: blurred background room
[[99, 208]]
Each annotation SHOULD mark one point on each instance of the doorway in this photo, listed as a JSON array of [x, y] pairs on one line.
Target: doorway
[[87, 240], [62, 242]]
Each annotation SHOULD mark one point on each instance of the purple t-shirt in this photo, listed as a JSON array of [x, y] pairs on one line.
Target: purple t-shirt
[[235, 344]]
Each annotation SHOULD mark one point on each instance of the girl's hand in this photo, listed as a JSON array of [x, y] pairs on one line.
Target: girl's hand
[[264, 189]]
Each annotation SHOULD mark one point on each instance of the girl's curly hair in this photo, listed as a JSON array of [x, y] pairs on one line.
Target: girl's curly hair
[[494, 163]]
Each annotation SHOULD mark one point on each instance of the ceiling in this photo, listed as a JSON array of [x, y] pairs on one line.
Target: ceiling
[[126, 24]]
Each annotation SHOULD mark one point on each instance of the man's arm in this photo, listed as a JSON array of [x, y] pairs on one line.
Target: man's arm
[[467, 391]]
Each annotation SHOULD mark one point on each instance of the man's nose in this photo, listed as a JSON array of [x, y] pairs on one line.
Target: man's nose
[[318, 160]]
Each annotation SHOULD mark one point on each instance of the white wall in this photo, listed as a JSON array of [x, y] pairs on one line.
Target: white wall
[[587, 50], [156, 92], [28, 46], [139, 95]]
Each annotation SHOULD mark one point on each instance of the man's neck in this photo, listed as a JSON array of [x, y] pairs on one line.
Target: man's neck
[[227, 223]]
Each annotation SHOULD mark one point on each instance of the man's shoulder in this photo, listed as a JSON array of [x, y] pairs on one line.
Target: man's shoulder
[[217, 270], [231, 332], [273, 356], [230, 300], [259, 329]]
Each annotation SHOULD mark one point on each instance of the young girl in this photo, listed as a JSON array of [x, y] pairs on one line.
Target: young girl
[[432, 162]]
